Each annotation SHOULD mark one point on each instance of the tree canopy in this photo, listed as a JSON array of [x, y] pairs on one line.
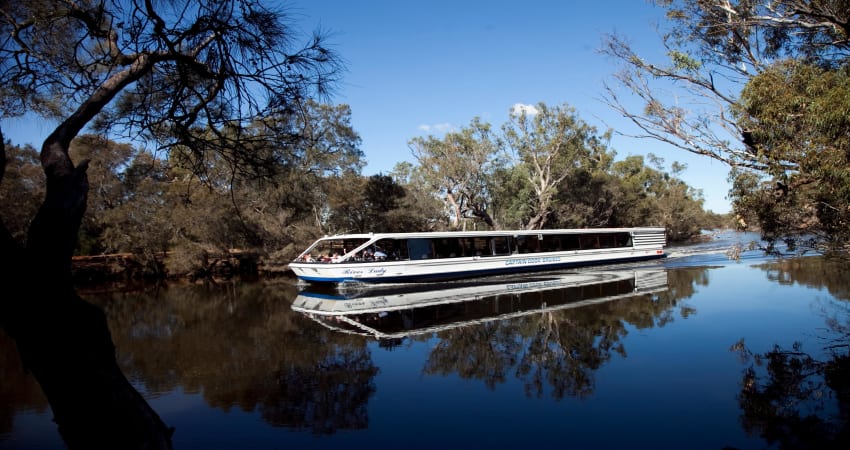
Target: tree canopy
[[761, 86]]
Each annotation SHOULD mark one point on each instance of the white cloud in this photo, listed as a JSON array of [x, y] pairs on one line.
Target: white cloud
[[520, 108], [437, 128]]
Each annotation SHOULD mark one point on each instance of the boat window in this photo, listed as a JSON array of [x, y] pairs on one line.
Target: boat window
[[388, 250], [448, 247], [420, 248], [615, 240], [481, 247], [528, 244], [605, 240], [501, 245], [326, 249], [589, 241], [570, 242], [550, 243]]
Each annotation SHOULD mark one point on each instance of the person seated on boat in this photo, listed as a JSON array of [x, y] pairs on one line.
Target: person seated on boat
[[367, 255], [380, 256], [335, 257]]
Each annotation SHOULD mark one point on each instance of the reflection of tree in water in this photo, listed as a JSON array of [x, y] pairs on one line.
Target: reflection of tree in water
[[816, 272], [558, 350], [794, 399], [484, 352], [331, 396], [241, 345]]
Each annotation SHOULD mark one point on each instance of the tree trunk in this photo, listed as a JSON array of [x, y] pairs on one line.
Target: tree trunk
[[64, 341], [538, 221], [456, 208]]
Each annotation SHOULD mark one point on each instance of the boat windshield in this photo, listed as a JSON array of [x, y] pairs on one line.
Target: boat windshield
[[331, 249]]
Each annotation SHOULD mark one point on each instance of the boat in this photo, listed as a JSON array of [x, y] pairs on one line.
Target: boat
[[452, 255], [401, 311]]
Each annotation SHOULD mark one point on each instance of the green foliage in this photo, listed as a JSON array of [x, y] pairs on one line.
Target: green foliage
[[775, 75], [797, 117], [193, 205], [22, 190], [106, 189], [549, 146], [460, 166], [512, 196], [683, 61], [374, 204], [420, 209], [562, 175]]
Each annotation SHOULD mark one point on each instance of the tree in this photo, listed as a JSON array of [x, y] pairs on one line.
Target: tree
[[679, 207], [420, 209], [22, 189], [188, 75], [145, 220], [345, 204], [511, 193], [368, 204], [106, 190], [716, 49], [593, 199], [459, 166], [549, 145], [795, 115]]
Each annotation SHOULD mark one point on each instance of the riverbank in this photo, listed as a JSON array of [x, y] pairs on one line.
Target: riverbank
[[125, 267]]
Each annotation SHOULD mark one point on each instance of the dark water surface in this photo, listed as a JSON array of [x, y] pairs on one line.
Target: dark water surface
[[696, 351]]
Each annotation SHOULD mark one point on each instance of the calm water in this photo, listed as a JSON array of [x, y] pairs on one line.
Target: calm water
[[695, 352]]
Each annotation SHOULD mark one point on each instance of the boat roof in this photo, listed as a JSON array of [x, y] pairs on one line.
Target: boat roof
[[438, 234]]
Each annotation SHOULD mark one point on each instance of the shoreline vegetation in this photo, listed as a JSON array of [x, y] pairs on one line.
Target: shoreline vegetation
[[117, 267]]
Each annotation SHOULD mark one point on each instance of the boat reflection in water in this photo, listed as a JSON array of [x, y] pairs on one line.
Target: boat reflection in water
[[392, 312]]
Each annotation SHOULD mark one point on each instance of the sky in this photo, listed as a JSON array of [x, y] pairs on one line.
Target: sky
[[426, 67]]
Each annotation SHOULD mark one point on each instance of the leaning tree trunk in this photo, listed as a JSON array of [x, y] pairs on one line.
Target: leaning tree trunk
[[63, 340]]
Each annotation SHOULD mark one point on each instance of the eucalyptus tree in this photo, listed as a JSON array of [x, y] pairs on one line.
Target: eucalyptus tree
[[511, 193], [326, 149], [460, 166], [795, 115], [420, 209], [360, 204], [722, 54], [549, 146], [281, 202], [187, 74]]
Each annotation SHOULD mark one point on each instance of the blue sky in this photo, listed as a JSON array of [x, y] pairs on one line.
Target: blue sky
[[420, 68]]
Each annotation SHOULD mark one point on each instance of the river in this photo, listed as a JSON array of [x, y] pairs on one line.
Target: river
[[695, 351]]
